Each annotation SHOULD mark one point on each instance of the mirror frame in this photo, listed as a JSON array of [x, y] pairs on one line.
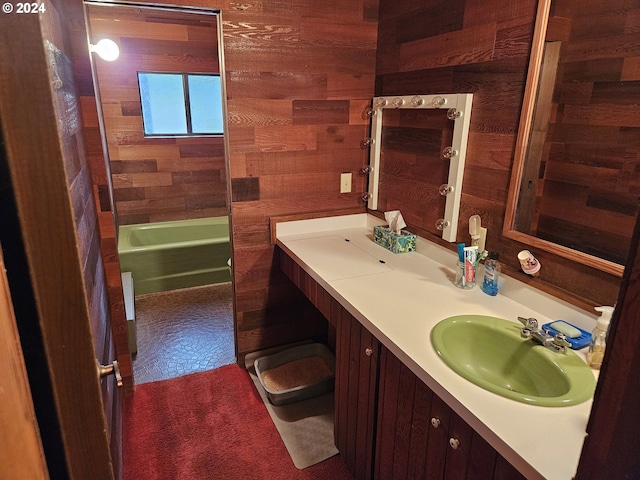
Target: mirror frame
[[459, 104], [522, 144]]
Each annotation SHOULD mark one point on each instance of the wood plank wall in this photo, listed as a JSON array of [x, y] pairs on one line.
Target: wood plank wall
[[479, 47], [157, 179], [591, 160], [299, 76], [412, 167]]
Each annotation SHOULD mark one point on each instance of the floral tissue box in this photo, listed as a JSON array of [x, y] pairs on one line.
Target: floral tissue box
[[396, 243]]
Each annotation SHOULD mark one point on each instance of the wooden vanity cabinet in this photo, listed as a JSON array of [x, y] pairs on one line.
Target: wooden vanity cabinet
[[419, 437], [388, 423], [357, 353]]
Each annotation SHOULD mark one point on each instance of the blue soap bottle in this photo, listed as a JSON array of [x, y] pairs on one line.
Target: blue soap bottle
[[491, 274]]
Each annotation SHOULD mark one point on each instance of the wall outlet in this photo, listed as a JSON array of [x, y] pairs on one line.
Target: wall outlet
[[345, 182]]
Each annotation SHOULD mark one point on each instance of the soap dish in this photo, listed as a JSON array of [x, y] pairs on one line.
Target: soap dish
[[576, 343]]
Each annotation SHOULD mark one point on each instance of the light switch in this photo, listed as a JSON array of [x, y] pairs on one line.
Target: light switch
[[345, 182]]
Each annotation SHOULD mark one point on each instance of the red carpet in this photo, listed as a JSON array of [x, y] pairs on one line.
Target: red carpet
[[208, 425]]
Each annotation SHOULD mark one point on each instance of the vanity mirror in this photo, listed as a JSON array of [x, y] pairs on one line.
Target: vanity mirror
[[422, 141], [576, 174]]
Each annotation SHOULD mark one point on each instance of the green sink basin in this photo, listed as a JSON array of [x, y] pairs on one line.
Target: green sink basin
[[489, 352]]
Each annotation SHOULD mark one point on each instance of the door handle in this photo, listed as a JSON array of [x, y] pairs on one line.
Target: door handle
[[113, 368]]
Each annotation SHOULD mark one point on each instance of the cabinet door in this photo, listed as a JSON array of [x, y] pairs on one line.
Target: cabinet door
[[458, 450], [438, 439], [420, 437], [356, 386], [404, 409]]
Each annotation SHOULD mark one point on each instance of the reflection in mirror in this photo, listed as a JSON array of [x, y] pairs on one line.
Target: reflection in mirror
[[161, 109], [576, 176]]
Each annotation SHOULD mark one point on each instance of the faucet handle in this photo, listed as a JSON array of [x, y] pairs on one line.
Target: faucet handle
[[530, 323], [560, 340]]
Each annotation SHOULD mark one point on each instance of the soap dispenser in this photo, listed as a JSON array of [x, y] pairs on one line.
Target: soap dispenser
[[595, 354]]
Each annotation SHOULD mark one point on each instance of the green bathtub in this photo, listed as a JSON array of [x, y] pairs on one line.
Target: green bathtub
[[170, 255]]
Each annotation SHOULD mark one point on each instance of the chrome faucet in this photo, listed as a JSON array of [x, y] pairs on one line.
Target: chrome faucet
[[557, 343]]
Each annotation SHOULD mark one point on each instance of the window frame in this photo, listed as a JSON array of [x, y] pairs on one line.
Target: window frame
[[187, 105]]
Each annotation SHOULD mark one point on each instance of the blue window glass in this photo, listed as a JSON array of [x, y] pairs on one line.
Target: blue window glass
[[163, 109], [180, 104], [205, 102]]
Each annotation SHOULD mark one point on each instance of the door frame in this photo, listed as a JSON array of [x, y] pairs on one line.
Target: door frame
[[21, 455]]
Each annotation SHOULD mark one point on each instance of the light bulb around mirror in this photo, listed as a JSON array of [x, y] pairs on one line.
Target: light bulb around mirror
[[438, 101], [416, 101], [381, 102], [453, 114], [107, 49], [449, 152], [445, 189], [367, 142], [397, 102], [441, 224]]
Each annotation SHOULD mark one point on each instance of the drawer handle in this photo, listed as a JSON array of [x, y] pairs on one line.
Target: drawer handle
[[435, 422], [454, 443], [368, 352]]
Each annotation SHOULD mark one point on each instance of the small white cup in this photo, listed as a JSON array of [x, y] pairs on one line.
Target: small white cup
[[530, 264]]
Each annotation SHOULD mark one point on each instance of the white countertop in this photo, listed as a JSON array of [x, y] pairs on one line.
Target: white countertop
[[402, 299]]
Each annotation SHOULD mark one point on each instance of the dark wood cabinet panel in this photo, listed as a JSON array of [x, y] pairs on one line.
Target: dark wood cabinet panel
[[420, 437], [356, 386], [437, 444], [482, 459], [459, 449]]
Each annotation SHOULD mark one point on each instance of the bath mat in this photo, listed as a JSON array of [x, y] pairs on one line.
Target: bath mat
[[306, 427]]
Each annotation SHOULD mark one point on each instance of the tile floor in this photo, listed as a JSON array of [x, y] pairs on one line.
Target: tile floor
[[183, 331]]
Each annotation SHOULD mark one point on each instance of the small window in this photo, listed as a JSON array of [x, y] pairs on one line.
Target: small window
[[180, 104]]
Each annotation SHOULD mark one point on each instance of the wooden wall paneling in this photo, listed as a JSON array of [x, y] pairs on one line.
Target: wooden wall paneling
[[293, 92], [191, 170], [602, 100], [475, 45], [494, 70]]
